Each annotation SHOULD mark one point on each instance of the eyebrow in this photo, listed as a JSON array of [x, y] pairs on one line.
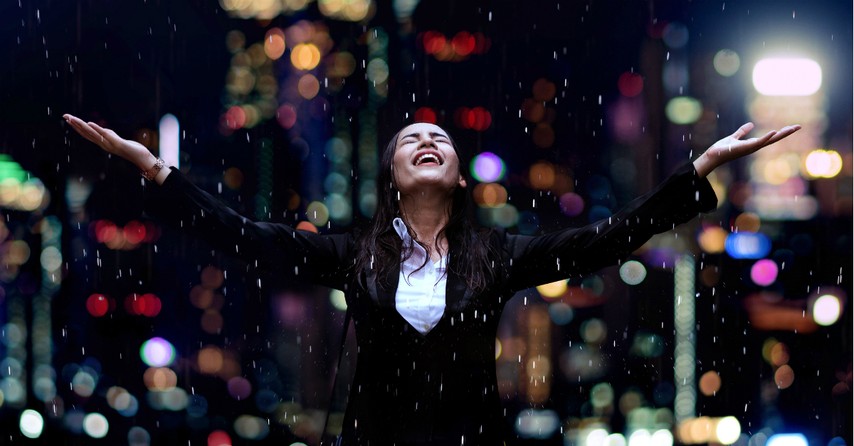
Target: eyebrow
[[434, 134]]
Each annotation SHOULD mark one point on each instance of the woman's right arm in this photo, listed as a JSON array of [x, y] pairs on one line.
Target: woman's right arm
[[304, 256]]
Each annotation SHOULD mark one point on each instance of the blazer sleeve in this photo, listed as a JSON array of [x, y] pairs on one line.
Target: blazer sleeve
[[299, 255], [575, 252]]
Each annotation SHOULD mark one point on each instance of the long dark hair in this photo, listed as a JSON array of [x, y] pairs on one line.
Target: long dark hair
[[380, 247]]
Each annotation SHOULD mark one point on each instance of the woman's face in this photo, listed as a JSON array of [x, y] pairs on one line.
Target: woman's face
[[424, 159]]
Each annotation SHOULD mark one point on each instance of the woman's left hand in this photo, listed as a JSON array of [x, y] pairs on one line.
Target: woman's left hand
[[733, 146]]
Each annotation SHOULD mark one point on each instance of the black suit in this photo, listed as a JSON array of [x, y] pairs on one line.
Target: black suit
[[439, 388]]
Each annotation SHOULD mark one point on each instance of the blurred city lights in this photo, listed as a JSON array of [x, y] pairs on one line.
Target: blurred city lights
[[727, 430], [764, 272], [632, 272], [170, 140], [784, 376], [787, 440], [219, 438], [96, 425], [710, 383], [534, 423], [726, 62], [488, 167], [98, 304], [317, 213], [683, 110], [425, 114], [305, 56], [31, 423], [251, 427], [747, 245], [157, 352], [823, 163], [826, 310], [787, 76], [553, 290], [712, 239], [274, 43], [630, 84], [490, 195]]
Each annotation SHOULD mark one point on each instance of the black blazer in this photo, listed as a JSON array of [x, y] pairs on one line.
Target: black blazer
[[439, 388]]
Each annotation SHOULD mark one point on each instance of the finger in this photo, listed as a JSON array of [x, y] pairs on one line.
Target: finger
[[105, 134], [743, 130], [783, 133]]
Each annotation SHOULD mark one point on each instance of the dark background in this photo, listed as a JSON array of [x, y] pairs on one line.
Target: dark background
[[125, 64]]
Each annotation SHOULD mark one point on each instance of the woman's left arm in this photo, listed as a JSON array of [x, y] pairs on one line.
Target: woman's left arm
[[578, 251]]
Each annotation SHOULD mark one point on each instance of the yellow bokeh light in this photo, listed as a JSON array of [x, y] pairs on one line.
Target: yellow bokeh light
[[683, 110], [823, 163], [727, 430], [490, 195], [541, 175], [747, 222], [274, 43], [210, 360], [713, 240], [160, 378], [305, 56], [553, 290]]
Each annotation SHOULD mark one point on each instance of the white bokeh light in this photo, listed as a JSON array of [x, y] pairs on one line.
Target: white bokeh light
[[826, 310], [31, 424], [787, 76]]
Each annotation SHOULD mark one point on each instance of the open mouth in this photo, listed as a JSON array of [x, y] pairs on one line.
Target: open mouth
[[428, 158]]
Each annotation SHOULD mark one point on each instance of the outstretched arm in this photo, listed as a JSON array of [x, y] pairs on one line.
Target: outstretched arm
[[112, 143], [733, 147]]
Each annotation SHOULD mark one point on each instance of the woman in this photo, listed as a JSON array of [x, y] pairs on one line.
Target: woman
[[426, 289]]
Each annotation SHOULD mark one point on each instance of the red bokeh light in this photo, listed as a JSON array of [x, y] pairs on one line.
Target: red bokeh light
[[630, 84], [425, 114], [286, 115], [219, 438], [98, 304], [433, 42], [134, 232], [147, 305], [463, 43], [235, 117], [105, 231], [477, 118]]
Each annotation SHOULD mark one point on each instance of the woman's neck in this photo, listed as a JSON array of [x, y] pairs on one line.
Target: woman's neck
[[427, 216]]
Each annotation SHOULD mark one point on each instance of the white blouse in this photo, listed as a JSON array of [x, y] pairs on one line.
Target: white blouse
[[420, 297]]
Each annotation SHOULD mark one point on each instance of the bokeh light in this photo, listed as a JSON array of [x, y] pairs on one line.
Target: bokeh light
[[786, 440], [553, 290], [305, 56], [425, 114], [727, 430], [274, 43], [826, 310], [97, 305], [630, 84], [784, 376], [157, 352], [632, 272], [747, 245], [823, 163], [683, 110], [571, 204], [787, 76], [96, 425], [764, 272], [31, 423], [726, 62], [488, 167], [491, 195], [251, 427], [219, 438], [710, 383], [712, 239]]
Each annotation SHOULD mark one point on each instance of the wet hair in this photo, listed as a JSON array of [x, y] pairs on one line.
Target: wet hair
[[380, 247]]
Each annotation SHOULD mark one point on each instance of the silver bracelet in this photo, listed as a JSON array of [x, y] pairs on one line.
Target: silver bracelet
[[152, 172]]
